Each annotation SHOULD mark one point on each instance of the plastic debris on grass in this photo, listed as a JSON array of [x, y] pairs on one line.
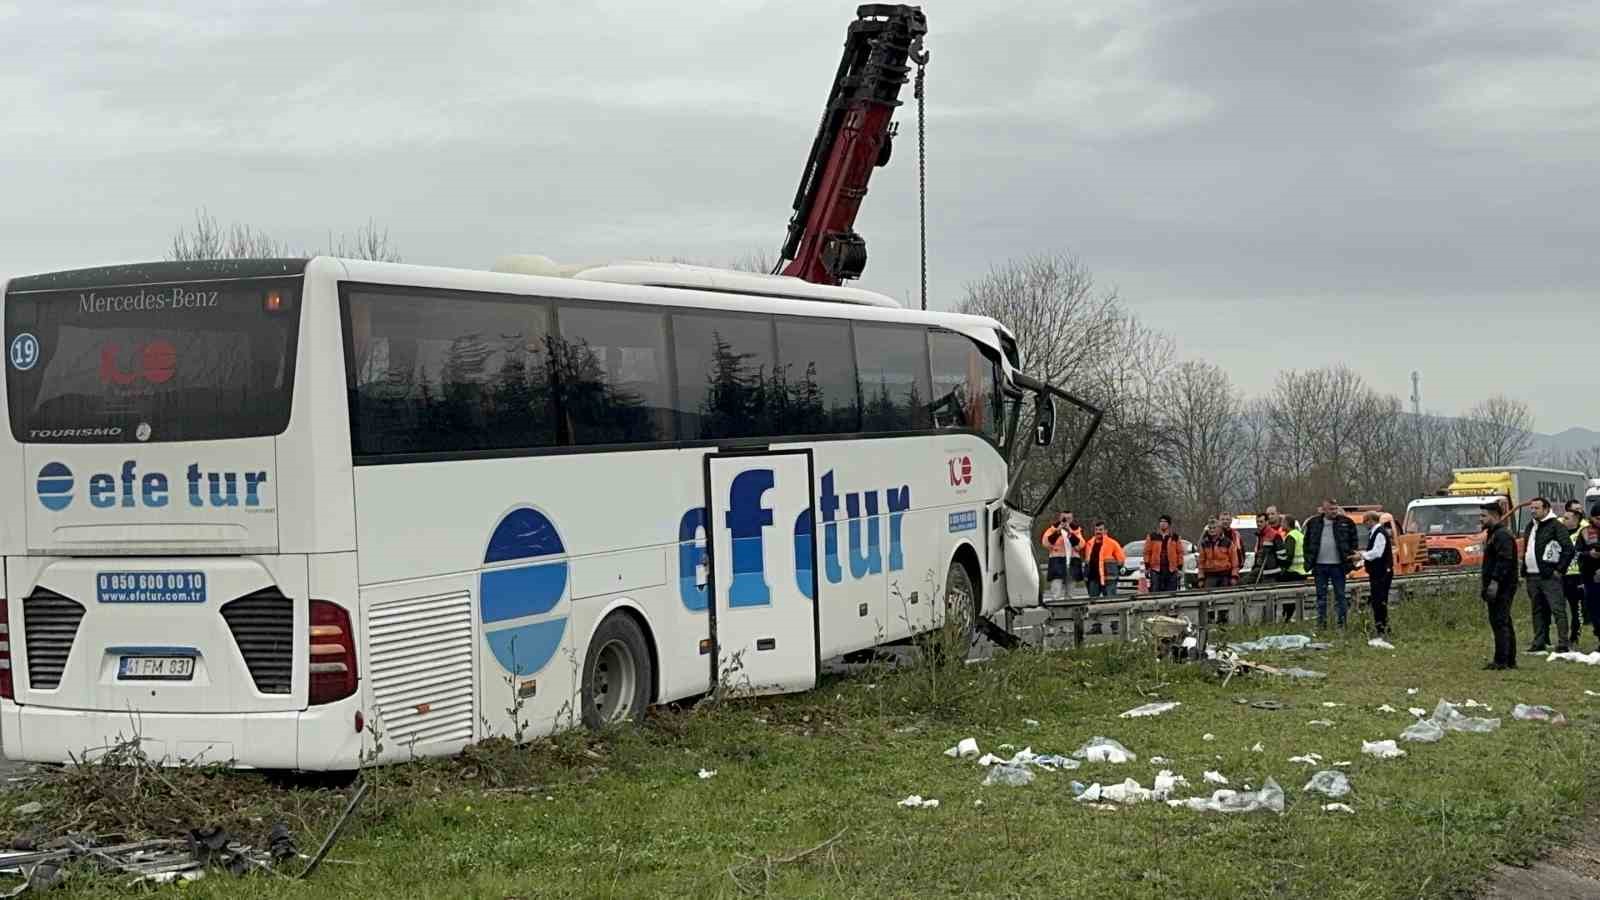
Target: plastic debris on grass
[[1473, 704], [1425, 731], [1382, 749], [1166, 783], [1214, 777], [1588, 659], [1257, 748], [1321, 723], [1269, 798], [966, 748], [1302, 673], [1343, 763], [1589, 693], [1452, 719], [1158, 760], [1330, 704], [1310, 759], [1208, 736], [1031, 723], [1411, 692], [1151, 709], [1104, 749], [1537, 714], [707, 773], [1386, 708], [1417, 711], [1127, 793], [915, 801], [1380, 643], [1330, 783], [1273, 642], [1008, 775], [1338, 807]]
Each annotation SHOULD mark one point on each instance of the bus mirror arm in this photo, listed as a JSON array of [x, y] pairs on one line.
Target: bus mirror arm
[[1028, 382]]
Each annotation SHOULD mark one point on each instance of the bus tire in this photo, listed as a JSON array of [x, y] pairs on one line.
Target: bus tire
[[617, 673], [960, 610]]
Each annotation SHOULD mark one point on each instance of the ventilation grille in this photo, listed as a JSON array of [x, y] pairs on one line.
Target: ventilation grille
[[50, 622], [263, 628], [421, 661]]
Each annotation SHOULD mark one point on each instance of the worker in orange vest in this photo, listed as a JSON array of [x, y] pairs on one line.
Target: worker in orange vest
[[1063, 541], [1103, 558], [1219, 556]]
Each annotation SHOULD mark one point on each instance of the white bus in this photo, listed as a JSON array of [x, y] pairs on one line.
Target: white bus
[[305, 514]]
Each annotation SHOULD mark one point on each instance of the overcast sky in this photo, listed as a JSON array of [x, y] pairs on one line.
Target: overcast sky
[[1279, 184]]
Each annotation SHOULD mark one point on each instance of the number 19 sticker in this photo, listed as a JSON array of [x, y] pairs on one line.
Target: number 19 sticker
[[24, 351]]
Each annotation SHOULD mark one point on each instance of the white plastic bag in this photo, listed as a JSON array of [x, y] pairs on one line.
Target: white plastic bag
[[1104, 749], [1269, 798], [1382, 749], [1425, 731], [1329, 782], [1273, 642], [1008, 775], [1380, 643], [1150, 709], [1537, 714], [1127, 793], [1213, 777], [1452, 719]]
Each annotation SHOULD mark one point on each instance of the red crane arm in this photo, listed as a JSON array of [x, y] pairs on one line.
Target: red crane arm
[[854, 138]]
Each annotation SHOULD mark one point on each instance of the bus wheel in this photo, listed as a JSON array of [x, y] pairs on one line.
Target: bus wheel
[[616, 673], [960, 630]]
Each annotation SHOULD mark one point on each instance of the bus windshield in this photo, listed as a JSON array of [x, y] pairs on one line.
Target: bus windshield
[[203, 360]]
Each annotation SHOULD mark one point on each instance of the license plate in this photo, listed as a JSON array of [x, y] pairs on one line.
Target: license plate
[[156, 668]]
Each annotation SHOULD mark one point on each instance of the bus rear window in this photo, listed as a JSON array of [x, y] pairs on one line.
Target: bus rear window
[[195, 361]]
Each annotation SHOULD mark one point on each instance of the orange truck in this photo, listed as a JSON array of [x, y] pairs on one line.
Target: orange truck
[[1448, 522], [1408, 553]]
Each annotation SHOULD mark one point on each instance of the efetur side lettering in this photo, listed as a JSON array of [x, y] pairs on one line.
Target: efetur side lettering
[[747, 518]]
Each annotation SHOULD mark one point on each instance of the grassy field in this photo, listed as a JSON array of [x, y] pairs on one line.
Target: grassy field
[[624, 814]]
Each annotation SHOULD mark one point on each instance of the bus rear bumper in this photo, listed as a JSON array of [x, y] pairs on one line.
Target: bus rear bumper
[[323, 738]]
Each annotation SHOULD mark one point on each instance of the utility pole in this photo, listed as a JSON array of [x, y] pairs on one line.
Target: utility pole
[[1416, 393]]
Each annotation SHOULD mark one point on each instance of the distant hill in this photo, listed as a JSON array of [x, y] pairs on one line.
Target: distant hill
[[1573, 440]]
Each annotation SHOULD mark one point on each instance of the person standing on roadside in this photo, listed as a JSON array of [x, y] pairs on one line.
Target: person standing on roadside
[[1269, 548], [1587, 551], [1218, 557], [1547, 555], [1163, 557], [1379, 560], [1102, 562], [1571, 577], [1292, 550], [1499, 584], [1061, 541], [1330, 540]]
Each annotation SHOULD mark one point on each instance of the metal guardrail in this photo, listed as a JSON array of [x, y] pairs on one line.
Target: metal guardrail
[[1093, 621]]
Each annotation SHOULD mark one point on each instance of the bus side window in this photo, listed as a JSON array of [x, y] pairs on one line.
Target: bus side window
[[892, 365], [727, 375], [965, 390], [817, 373], [609, 367]]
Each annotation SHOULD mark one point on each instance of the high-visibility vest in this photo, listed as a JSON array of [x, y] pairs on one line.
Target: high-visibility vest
[[1573, 569], [1298, 567]]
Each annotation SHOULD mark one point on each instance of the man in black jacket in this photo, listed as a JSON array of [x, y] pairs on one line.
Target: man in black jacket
[[1587, 550], [1548, 553], [1330, 541], [1499, 584]]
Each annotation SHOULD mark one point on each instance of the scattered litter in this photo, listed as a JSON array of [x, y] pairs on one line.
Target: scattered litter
[[1273, 642], [29, 809], [1338, 807], [1330, 704], [1537, 714], [1104, 749], [1007, 747], [1301, 673], [1387, 708], [1588, 659], [1214, 777], [989, 759], [1127, 793], [155, 861], [1473, 704], [1031, 723], [1158, 760], [1055, 761], [707, 773], [1166, 783], [1589, 693], [915, 801], [1310, 759], [1411, 692], [967, 747], [1425, 731], [1319, 645], [1382, 749], [1008, 775], [1451, 719], [1380, 643], [1270, 705], [1322, 723], [1330, 783], [1417, 711], [1151, 709], [1208, 736], [1343, 763], [1270, 797], [1257, 748]]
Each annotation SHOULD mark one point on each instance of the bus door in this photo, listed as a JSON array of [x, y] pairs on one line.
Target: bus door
[[763, 571]]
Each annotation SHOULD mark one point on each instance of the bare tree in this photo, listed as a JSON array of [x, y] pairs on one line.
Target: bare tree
[[206, 239], [1496, 432], [758, 261], [1202, 438]]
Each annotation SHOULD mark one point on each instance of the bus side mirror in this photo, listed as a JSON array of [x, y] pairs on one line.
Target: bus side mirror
[[1044, 420]]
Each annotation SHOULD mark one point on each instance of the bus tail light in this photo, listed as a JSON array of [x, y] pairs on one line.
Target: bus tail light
[[332, 653], [7, 686]]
